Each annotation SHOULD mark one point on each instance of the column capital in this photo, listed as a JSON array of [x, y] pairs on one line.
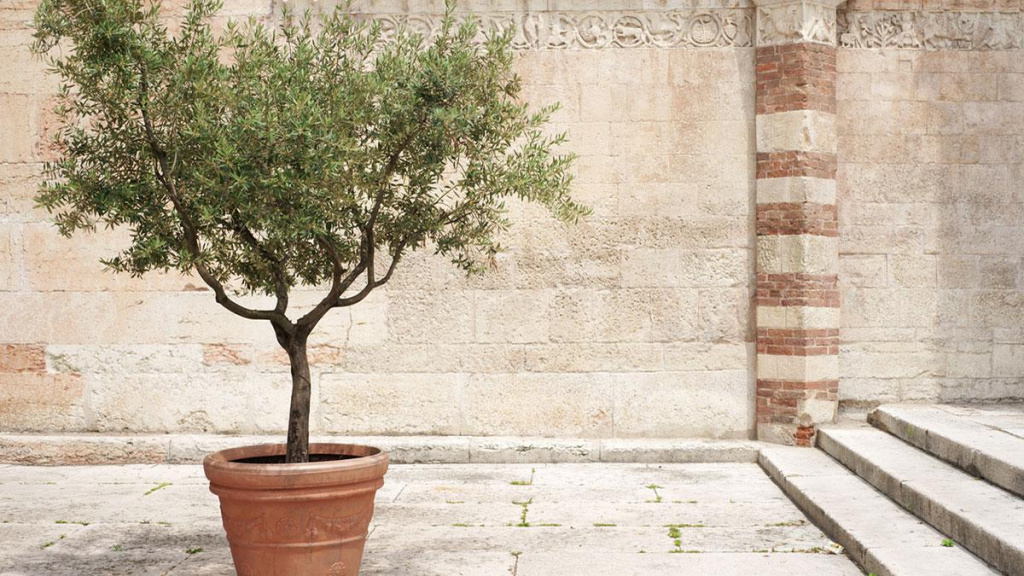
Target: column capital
[[796, 21]]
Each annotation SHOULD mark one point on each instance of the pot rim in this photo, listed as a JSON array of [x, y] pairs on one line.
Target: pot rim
[[371, 463]]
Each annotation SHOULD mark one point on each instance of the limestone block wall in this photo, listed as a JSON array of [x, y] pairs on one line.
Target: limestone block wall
[[869, 161], [931, 202], [637, 322]]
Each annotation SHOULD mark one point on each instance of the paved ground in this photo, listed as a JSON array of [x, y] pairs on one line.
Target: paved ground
[[463, 519]]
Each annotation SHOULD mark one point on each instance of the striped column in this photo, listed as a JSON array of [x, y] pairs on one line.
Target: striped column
[[797, 225]]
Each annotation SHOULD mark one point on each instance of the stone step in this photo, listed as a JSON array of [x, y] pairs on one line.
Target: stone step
[[881, 537], [989, 446], [977, 515]]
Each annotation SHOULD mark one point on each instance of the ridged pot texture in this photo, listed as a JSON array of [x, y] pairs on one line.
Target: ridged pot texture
[[297, 519]]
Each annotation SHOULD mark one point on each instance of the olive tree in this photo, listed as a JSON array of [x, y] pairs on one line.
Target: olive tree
[[314, 152]]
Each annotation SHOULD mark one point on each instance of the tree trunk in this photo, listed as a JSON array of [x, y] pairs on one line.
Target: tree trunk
[[298, 416]]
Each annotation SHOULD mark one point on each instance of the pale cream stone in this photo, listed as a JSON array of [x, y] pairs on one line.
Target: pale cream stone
[[710, 357], [18, 116], [798, 317], [776, 433], [19, 183], [11, 255], [696, 268], [912, 271], [513, 316], [968, 365], [863, 270], [53, 262], [578, 405], [675, 405], [798, 368], [801, 253], [797, 190], [724, 315], [816, 411], [191, 402], [125, 359], [649, 314], [611, 356], [421, 316], [799, 130], [905, 359], [1008, 360], [399, 403]]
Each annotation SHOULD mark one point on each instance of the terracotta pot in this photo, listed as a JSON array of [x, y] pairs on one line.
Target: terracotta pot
[[297, 519]]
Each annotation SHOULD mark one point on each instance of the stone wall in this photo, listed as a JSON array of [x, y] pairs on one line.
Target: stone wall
[[634, 323], [931, 181], [641, 320]]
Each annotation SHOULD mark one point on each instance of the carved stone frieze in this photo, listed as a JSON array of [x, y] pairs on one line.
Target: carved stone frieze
[[799, 21], [932, 30], [715, 28]]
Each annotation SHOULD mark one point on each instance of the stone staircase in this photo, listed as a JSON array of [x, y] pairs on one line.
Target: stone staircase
[[922, 491]]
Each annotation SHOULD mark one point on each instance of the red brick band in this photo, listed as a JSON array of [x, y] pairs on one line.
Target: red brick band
[[798, 290], [786, 342], [784, 218], [796, 77], [793, 163]]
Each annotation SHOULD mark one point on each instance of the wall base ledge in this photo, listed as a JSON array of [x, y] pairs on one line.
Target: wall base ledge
[[104, 449]]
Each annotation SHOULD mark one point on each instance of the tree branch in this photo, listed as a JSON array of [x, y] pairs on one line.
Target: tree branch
[[339, 283], [371, 283], [162, 172], [280, 285], [367, 250]]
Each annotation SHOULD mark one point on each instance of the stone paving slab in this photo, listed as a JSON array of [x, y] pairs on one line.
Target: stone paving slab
[[431, 519]]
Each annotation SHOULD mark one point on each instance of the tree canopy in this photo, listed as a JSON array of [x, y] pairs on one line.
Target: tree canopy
[[315, 152]]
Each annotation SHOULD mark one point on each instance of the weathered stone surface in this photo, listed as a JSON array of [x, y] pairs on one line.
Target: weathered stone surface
[[656, 282], [990, 448], [82, 449], [399, 403], [976, 515], [876, 533], [429, 519]]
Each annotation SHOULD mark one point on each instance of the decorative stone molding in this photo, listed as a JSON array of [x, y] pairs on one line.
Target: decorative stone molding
[[932, 30], [713, 28], [793, 22]]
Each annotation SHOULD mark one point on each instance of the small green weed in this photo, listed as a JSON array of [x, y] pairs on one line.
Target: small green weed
[[529, 482], [158, 487], [946, 542], [526, 509], [657, 496]]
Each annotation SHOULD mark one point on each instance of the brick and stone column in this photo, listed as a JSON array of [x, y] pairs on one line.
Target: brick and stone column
[[797, 226]]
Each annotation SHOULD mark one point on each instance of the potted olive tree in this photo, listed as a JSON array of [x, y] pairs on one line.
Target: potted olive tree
[[262, 158]]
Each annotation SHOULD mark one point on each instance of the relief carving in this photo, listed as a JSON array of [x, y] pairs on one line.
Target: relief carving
[[713, 28], [312, 528], [796, 22], [932, 30]]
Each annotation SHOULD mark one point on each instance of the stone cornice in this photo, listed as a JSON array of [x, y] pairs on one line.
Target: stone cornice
[[796, 21], [706, 24], [711, 28], [931, 30]]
